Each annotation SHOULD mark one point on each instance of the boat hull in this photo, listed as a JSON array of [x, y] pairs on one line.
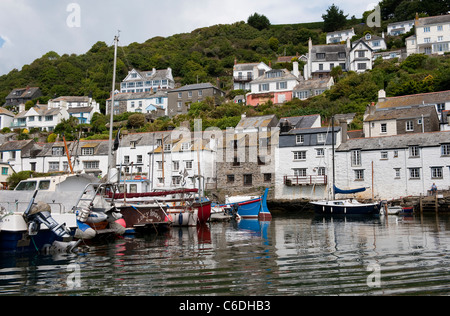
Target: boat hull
[[203, 211], [256, 208], [329, 208], [142, 216]]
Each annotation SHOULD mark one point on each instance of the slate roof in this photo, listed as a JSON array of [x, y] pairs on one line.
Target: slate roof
[[257, 122], [431, 139], [402, 113], [305, 121], [20, 93], [415, 99], [434, 20], [196, 86]]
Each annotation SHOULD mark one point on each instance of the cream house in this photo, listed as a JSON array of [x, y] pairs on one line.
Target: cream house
[[432, 36]]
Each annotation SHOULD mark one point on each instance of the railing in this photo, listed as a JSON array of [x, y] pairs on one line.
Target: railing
[[305, 180], [243, 78]]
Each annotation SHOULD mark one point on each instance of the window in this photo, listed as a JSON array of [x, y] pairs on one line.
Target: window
[[395, 153], [180, 95], [320, 66], [160, 165], [414, 173], [176, 180], [361, 53], [57, 151], [91, 164], [409, 126], [436, 173], [44, 185], [440, 27], [53, 166], [230, 178], [88, 151], [200, 93], [4, 171], [321, 138], [236, 162], [301, 94], [397, 173], [300, 172], [356, 158], [359, 175], [342, 55], [362, 66], [176, 165], [139, 159], [321, 171], [383, 128], [248, 179], [320, 55], [267, 177], [384, 155], [426, 29], [320, 152], [414, 152], [264, 87], [299, 139], [445, 150], [133, 144], [126, 159], [427, 40], [185, 146], [167, 147], [299, 155], [188, 164], [440, 107], [281, 85]]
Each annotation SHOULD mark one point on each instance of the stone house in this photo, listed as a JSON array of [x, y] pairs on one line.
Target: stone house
[[21, 96], [245, 156], [179, 100]]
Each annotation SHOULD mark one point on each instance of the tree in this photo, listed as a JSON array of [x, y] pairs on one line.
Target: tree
[[136, 120], [259, 22], [334, 19]]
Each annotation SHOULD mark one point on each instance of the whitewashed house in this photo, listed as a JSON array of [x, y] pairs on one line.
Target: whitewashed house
[[140, 102], [360, 56], [243, 74], [6, 118], [304, 158], [375, 42], [398, 166], [432, 36], [82, 108], [398, 28], [40, 117], [146, 81], [14, 152], [310, 88], [180, 158], [338, 37]]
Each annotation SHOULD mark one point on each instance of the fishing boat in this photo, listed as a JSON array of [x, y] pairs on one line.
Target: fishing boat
[[36, 228], [249, 207], [344, 206], [177, 207]]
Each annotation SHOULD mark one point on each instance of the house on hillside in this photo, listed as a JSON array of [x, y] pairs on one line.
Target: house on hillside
[[146, 81], [398, 28], [321, 59], [375, 42], [140, 102], [40, 117], [243, 74], [360, 56], [6, 118], [21, 96], [309, 88], [82, 108], [179, 100], [338, 37], [13, 153], [275, 85], [432, 36]]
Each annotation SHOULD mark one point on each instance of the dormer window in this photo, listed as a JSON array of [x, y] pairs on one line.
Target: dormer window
[[368, 36]]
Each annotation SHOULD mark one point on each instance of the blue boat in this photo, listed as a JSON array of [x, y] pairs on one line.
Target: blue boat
[[253, 208], [36, 229]]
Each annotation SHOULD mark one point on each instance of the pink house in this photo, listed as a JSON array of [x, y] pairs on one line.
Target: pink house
[[275, 85]]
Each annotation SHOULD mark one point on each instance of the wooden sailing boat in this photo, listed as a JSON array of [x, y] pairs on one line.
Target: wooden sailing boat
[[344, 206]]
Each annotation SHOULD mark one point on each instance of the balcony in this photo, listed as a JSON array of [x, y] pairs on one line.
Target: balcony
[[291, 181], [243, 78]]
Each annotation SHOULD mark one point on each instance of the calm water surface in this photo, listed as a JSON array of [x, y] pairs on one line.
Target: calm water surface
[[291, 255]]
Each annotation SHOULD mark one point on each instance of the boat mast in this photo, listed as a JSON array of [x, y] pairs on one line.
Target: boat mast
[[332, 153], [111, 163]]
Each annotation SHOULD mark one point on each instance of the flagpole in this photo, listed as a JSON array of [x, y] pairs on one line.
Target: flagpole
[[111, 164]]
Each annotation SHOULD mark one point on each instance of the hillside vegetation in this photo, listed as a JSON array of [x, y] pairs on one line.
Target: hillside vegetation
[[208, 55]]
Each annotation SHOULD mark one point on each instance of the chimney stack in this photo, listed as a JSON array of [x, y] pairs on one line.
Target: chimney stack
[[344, 136]]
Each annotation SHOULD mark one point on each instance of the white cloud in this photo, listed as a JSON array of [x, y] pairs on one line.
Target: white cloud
[[34, 28]]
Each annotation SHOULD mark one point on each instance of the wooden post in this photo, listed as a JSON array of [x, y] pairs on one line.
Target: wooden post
[[421, 203], [436, 203]]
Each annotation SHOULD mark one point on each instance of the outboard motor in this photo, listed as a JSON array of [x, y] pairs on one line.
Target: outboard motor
[[40, 213]]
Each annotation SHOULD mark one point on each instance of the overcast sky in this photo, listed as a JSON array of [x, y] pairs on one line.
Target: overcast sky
[[31, 28]]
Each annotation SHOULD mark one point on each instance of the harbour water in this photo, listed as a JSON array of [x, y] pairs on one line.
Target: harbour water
[[293, 255]]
